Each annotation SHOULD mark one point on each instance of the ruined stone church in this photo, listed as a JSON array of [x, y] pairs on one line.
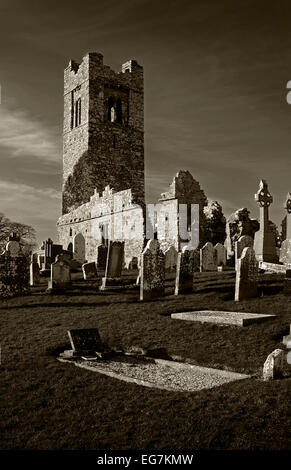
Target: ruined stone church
[[103, 192]]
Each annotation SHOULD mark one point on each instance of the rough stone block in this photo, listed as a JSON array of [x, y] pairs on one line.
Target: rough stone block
[[228, 318], [274, 364]]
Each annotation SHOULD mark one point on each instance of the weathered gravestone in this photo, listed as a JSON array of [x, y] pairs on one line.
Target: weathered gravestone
[[152, 272], [102, 251], [60, 274], [34, 272], [208, 258], [274, 365], [246, 282], [14, 271], [185, 272], [220, 254], [243, 242], [79, 248], [285, 251], [171, 255], [196, 260], [89, 271], [287, 339], [114, 264], [133, 264], [265, 242]]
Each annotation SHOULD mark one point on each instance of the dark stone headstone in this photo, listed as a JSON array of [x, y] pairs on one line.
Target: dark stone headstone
[[85, 340], [101, 256], [185, 272], [152, 279], [246, 284], [89, 271]]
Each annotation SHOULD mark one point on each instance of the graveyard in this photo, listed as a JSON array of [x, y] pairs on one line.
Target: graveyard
[[146, 326], [53, 405]]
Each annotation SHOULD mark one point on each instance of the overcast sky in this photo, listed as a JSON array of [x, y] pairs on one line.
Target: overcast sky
[[215, 95]]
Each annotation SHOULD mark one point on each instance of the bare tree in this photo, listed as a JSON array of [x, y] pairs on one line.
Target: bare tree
[[25, 232]]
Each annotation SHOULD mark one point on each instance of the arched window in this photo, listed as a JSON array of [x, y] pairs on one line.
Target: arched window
[[104, 233], [111, 109], [78, 112], [118, 111]]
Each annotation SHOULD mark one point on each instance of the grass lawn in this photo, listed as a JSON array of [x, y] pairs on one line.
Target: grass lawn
[[47, 405]]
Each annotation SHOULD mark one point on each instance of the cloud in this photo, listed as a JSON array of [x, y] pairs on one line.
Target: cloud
[[21, 134], [33, 206]]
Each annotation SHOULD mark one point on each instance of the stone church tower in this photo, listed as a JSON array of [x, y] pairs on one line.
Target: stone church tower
[[103, 140]]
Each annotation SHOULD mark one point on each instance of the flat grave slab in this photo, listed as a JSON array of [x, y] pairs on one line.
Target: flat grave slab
[[161, 374], [227, 318], [273, 267]]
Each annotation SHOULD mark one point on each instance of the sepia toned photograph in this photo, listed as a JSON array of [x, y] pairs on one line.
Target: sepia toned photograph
[[145, 232]]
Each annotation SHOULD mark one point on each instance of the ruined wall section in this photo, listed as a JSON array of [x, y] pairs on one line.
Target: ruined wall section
[[186, 190], [123, 218]]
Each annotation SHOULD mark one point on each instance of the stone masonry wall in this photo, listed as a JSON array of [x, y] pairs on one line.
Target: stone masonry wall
[[98, 152], [116, 210]]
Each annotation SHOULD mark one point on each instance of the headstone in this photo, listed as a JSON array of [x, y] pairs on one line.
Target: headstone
[[273, 367], [85, 340], [114, 264], [152, 271], [243, 242], [102, 251], [285, 251], [60, 274], [287, 283], [115, 259], [34, 273], [246, 282], [133, 264], [34, 258], [196, 260], [265, 242], [79, 248], [220, 254], [14, 271], [171, 255], [40, 260], [207, 258], [185, 272], [287, 339], [89, 271]]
